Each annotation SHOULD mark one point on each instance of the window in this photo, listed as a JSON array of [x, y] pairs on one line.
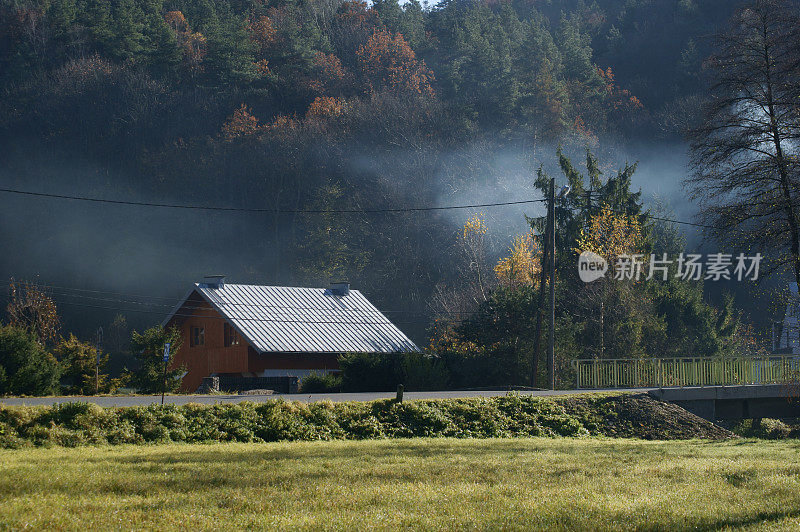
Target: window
[[197, 336], [231, 336]]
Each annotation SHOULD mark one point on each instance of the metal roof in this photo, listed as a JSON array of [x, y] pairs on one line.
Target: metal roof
[[303, 320]]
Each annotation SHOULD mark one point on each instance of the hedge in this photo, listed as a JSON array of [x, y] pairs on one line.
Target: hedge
[[72, 424]]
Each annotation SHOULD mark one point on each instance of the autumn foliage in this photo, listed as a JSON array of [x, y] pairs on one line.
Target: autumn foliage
[[620, 99], [263, 32], [31, 308], [329, 76], [389, 63], [324, 107], [474, 227], [523, 264], [193, 44], [240, 124], [611, 234], [357, 15], [262, 67], [176, 21]]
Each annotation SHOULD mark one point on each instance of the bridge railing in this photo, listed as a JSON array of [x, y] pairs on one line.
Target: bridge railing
[[688, 371]]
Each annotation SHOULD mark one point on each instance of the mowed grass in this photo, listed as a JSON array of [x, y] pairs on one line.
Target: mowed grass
[[538, 483]]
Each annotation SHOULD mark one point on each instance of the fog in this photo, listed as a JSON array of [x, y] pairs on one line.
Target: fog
[[149, 256]]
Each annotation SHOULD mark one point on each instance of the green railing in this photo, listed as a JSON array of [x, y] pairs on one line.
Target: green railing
[[681, 372]]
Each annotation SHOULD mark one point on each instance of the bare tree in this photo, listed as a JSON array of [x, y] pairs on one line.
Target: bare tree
[[453, 302], [118, 336], [745, 152], [32, 308]]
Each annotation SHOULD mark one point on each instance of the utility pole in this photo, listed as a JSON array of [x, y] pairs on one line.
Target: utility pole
[[549, 266], [97, 361], [551, 358], [542, 284]]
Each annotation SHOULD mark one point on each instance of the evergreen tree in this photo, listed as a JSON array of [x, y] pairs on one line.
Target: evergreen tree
[[148, 348], [25, 367], [83, 366]]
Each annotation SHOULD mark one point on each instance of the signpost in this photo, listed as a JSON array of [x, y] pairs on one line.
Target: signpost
[[166, 361], [97, 361]]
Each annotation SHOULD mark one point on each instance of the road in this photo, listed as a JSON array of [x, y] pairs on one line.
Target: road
[[141, 400]]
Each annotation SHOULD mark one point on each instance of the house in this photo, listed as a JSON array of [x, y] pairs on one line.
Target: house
[[252, 331]]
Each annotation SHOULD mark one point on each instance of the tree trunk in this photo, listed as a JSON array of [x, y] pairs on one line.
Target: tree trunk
[[602, 328], [791, 218]]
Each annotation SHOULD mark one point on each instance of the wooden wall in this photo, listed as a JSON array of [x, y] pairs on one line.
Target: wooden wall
[[213, 357]]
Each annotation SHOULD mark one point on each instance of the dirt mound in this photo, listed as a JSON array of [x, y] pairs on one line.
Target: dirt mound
[[641, 416]]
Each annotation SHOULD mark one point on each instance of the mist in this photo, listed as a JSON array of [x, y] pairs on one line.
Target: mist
[[149, 256]]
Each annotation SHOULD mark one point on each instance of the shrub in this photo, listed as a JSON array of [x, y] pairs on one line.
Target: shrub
[[25, 367], [79, 361], [478, 418], [81, 423], [768, 429], [321, 383], [148, 348], [422, 372], [9, 438], [362, 372]]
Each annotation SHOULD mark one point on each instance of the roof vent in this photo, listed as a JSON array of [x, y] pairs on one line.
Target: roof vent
[[340, 289], [214, 281]]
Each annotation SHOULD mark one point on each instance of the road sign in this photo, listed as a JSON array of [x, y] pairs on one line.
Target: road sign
[[166, 359]]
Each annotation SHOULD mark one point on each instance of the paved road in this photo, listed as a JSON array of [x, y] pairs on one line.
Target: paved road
[[138, 400]]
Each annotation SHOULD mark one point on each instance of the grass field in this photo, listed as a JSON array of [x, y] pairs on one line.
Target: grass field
[[538, 483]]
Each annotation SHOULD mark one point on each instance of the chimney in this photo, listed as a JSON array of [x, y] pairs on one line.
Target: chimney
[[340, 289], [213, 281]]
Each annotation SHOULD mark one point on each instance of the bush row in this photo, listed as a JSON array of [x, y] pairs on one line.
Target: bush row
[[370, 372], [382, 372], [73, 424]]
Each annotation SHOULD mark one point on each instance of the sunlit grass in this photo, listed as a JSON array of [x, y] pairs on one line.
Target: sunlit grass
[[422, 483]]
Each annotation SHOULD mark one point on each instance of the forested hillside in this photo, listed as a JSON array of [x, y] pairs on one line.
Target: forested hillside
[[315, 105]]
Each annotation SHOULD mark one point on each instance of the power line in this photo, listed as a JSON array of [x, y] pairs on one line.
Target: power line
[[259, 320], [246, 306], [320, 211], [652, 217], [273, 211], [88, 290], [659, 218], [60, 292]]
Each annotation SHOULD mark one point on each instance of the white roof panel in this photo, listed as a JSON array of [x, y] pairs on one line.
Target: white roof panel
[[305, 320]]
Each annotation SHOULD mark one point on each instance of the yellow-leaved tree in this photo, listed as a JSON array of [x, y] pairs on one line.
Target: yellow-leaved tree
[[609, 234], [523, 264]]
